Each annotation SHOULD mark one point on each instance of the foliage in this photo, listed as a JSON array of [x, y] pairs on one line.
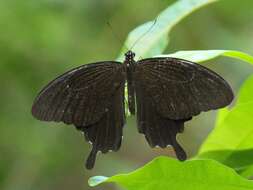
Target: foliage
[[230, 143], [167, 173], [205, 55]]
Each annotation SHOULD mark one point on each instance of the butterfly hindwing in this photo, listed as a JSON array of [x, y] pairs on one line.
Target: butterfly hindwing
[[106, 134], [80, 96], [158, 130], [181, 89]]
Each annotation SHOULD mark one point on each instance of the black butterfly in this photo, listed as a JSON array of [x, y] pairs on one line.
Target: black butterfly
[[168, 92]]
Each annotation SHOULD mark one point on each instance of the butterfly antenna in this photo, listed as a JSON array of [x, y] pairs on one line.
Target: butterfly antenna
[[116, 36], [144, 34]]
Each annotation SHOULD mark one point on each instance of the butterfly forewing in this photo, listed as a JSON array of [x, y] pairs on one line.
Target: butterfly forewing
[[180, 89], [80, 96]]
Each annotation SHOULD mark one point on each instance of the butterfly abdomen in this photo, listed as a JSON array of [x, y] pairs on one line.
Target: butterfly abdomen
[[131, 94]]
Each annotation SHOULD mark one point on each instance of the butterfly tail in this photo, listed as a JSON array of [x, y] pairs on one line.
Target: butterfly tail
[[90, 162]]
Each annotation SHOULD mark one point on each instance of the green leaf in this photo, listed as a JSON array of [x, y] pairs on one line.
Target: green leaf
[[246, 92], [166, 173], [240, 160], [235, 132], [156, 38], [231, 141], [205, 55]]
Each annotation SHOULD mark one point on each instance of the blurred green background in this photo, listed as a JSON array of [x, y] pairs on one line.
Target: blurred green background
[[40, 39]]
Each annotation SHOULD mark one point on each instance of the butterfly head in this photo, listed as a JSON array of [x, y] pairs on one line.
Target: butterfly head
[[129, 55]]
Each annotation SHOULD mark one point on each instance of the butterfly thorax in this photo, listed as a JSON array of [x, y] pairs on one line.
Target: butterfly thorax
[[129, 57], [130, 63]]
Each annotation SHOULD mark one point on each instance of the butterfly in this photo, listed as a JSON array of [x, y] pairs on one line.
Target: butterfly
[[164, 93]]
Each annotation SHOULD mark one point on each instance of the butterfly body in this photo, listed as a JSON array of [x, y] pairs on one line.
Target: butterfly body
[[167, 92], [130, 65]]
